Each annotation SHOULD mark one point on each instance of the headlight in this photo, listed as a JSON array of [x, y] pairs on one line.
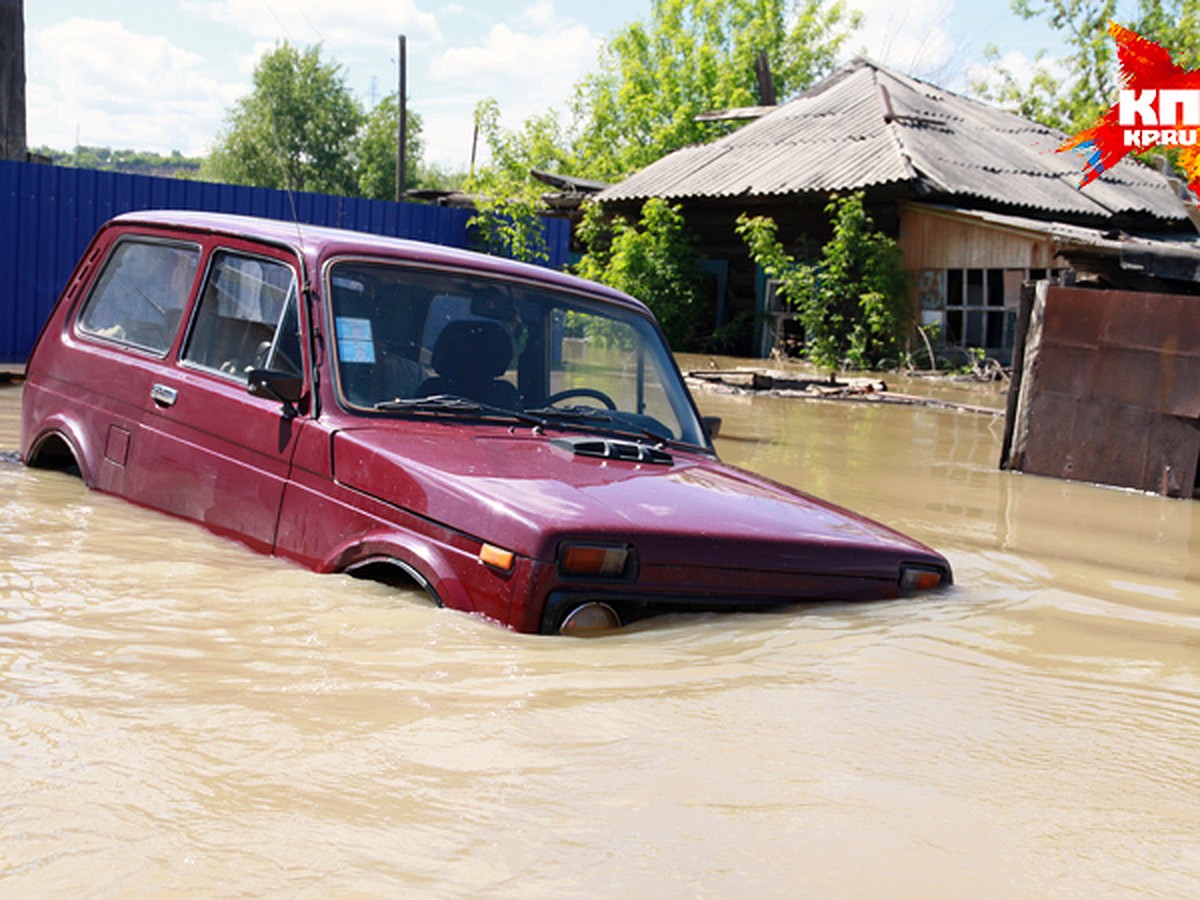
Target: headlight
[[591, 618], [595, 560]]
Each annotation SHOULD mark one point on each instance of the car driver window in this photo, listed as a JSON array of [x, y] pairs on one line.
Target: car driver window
[[139, 297], [246, 318]]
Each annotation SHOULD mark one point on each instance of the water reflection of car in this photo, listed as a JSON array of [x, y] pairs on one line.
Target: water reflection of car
[[516, 442]]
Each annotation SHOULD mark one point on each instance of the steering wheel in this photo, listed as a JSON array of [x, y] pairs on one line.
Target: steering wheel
[[608, 401]]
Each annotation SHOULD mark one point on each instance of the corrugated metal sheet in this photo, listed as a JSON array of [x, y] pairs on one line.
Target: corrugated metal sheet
[[867, 125], [1106, 387], [49, 213]]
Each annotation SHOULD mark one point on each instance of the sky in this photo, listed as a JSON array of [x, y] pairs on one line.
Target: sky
[[161, 75]]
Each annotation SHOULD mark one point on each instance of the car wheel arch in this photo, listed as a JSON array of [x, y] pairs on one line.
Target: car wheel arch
[[394, 572], [56, 449]]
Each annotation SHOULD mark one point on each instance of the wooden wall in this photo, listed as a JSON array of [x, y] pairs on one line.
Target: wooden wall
[[933, 239]]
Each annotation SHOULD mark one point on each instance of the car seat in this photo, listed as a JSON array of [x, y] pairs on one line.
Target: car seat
[[469, 357]]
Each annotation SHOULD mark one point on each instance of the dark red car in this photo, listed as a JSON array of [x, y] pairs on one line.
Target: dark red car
[[517, 442]]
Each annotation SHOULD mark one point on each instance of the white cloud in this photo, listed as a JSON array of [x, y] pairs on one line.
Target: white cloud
[[111, 86], [540, 14], [336, 23], [910, 36], [527, 69], [1020, 67], [548, 57], [529, 64], [447, 130]]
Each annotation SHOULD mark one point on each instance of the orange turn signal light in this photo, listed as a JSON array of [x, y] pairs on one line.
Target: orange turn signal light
[[497, 557], [920, 578]]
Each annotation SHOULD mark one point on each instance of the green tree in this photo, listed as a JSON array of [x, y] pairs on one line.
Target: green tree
[[296, 129], [653, 260], [136, 162], [507, 197], [690, 57], [376, 154], [1076, 102], [853, 303], [539, 144]]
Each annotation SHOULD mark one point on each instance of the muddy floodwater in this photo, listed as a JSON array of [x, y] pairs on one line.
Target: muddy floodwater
[[181, 716]]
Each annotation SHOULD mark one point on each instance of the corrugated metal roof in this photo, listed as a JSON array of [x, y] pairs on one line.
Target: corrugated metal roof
[[867, 125]]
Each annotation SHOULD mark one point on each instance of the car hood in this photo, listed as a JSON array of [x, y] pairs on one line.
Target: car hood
[[526, 492]]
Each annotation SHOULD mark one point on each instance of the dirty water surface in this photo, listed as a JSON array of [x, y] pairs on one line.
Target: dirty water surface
[[181, 716]]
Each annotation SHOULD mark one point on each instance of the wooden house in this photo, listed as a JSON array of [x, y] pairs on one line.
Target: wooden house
[[978, 199]]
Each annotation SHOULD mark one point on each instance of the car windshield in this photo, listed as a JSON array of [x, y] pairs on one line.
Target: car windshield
[[413, 341]]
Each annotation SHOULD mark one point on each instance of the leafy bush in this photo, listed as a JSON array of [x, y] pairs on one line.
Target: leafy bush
[[853, 303], [654, 261]]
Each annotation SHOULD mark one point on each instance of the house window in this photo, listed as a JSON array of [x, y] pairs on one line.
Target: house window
[[981, 306], [976, 314]]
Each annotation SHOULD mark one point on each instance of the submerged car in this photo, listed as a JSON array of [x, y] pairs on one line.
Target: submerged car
[[517, 442]]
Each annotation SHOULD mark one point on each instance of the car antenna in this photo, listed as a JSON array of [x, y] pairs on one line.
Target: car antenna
[[281, 161]]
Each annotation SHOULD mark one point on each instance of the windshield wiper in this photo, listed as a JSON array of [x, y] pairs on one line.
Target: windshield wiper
[[587, 415], [452, 404], [571, 413], [434, 403]]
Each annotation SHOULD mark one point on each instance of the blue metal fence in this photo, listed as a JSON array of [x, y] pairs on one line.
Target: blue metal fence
[[49, 213]]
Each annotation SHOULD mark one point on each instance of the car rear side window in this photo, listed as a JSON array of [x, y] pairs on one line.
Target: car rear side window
[[246, 317], [140, 296]]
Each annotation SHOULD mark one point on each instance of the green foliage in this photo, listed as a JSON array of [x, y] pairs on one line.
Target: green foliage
[[653, 260], [510, 226], [854, 303], [1074, 103], [690, 57], [133, 162], [654, 78], [297, 129], [507, 198], [539, 144], [377, 145]]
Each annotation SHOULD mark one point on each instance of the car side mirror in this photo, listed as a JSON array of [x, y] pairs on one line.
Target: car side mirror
[[712, 425], [285, 387]]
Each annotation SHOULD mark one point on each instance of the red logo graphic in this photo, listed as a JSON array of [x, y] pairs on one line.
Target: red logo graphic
[[1159, 106]]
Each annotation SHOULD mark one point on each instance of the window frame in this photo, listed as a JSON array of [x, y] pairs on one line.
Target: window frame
[[682, 407], [123, 240], [215, 253]]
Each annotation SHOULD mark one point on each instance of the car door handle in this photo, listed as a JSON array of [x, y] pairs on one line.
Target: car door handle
[[163, 395]]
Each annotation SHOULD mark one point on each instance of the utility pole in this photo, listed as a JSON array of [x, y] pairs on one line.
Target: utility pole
[[12, 80], [402, 125]]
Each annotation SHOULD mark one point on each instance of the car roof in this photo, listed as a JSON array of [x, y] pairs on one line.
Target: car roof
[[318, 243]]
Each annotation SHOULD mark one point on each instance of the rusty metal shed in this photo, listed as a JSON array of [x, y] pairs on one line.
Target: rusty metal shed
[[1106, 389]]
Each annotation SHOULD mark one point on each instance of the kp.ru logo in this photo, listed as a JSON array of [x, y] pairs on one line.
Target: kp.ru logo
[[1158, 107], [1167, 111]]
